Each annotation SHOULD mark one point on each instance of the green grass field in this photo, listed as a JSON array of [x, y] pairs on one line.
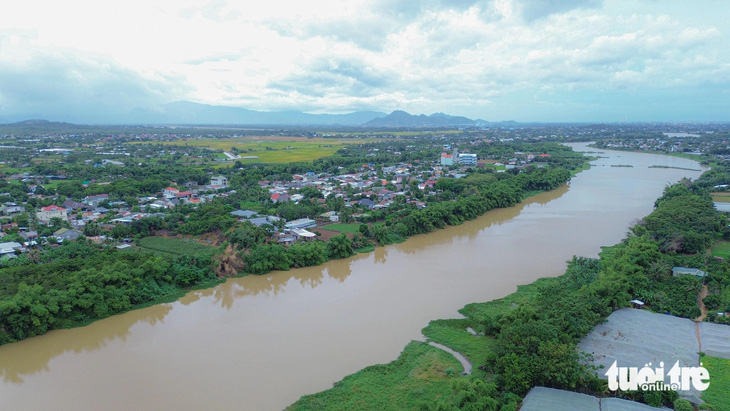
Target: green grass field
[[174, 246], [453, 334], [716, 394], [417, 379], [271, 149], [721, 249]]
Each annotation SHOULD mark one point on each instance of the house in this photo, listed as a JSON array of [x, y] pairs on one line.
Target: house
[[243, 213], [677, 271], [279, 198], [219, 181], [12, 209], [52, 211], [170, 191], [65, 234], [366, 202], [184, 194], [95, 200], [72, 205], [302, 233], [331, 216], [300, 223], [258, 222], [9, 248], [28, 235]]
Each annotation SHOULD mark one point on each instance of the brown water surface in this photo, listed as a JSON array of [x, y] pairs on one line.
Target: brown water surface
[[260, 342]]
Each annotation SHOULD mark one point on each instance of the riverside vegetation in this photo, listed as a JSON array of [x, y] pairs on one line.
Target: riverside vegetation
[[78, 282], [529, 338]]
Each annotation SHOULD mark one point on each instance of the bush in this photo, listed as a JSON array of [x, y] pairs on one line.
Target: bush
[[681, 404]]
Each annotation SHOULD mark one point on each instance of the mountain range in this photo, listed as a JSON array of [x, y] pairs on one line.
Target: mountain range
[[188, 113]]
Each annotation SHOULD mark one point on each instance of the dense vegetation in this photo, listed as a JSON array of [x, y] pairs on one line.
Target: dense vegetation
[[82, 282]]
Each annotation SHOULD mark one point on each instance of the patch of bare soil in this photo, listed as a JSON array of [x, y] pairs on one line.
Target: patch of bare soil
[[703, 309], [228, 263], [326, 234]]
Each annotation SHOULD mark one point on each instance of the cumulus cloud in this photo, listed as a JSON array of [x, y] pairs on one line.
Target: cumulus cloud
[[77, 87], [480, 58], [537, 9]]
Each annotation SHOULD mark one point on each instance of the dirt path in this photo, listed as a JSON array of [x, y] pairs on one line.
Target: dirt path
[[703, 309], [464, 362]]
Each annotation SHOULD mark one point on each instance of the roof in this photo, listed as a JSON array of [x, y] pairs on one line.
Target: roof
[[9, 247], [303, 233], [171, 189], [300, 223], [53, 208], [263, 220], [688, 271], [244, 213], [548, 399]]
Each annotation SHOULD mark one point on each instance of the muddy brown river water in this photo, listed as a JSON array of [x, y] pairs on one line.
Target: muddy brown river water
[[260, 342]]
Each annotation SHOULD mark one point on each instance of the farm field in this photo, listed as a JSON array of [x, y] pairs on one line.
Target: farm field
[[348, 228], [270, 149], [721, 197], [175, 246], [721, 249]]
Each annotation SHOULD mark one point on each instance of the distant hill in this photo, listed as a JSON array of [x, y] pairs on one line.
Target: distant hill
[[185, 112], [401, 118]]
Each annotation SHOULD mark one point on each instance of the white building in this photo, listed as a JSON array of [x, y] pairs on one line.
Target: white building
[[219, 181], [466, 159], [52, 211]]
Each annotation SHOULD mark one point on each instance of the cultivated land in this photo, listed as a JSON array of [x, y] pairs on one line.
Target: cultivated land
[[175, 246], [270, 149]]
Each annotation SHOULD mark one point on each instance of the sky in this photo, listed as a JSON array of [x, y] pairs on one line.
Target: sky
[[523, 60]]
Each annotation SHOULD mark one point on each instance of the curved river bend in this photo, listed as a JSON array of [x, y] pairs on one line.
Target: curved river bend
[[260, 342]]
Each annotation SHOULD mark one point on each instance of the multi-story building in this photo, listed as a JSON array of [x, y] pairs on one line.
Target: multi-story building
[[467, 159], [52, 211]]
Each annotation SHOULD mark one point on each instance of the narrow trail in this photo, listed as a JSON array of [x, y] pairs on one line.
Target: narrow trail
[[703, 309], [464, 362]]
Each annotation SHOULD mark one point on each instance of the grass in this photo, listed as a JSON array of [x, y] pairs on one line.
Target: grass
[[270, 149], [175, 247], [721, 249], [348, 228], [721, 197], [453, 334], [716, 395], [418, 378], [480, 312]]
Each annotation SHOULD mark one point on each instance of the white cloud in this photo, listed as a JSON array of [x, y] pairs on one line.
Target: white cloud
[[480, 57]]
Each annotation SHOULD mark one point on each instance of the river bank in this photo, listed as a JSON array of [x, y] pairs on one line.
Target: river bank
[[264, 341], [530, 338]]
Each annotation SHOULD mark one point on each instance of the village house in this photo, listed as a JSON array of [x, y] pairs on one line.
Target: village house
[[219, 182], [95, 200], [50, 212], [300, 224]]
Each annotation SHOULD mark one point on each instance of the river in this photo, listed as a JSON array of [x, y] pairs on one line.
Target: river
[[260, 342]]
